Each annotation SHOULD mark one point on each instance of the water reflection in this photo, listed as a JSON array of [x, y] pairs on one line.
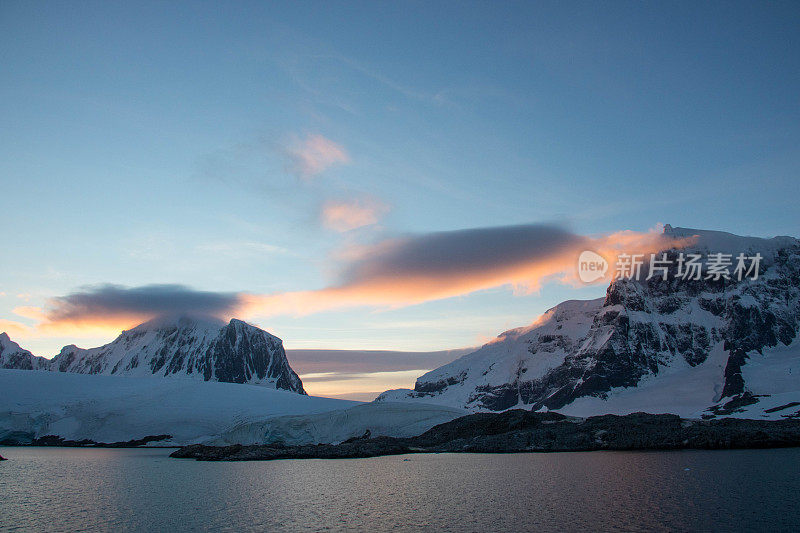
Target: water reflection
[[51, 489]]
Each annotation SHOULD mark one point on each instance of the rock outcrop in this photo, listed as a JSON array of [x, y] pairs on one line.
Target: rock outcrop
[[524, 431]]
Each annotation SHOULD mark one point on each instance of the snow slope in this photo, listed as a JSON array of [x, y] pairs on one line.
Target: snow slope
[[112, 408], [502, 361], [774, 377]]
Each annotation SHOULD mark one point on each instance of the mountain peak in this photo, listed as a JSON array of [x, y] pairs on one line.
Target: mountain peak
[[181, 320], [188, 346], [713, 241], [12, 356], [69, 348]]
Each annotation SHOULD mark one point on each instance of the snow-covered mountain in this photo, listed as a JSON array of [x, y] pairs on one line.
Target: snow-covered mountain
[[185, 347], [693, 347]]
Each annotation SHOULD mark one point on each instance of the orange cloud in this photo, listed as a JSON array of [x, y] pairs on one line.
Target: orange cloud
[[418, 269], [101, 327], [14, 329], [314, 155], [45, 326], [347, 215], [27, 311]]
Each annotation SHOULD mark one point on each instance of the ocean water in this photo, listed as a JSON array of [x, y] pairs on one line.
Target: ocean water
[[63, 489]]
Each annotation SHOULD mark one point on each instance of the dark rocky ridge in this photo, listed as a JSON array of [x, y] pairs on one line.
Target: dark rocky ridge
[[27, 439], [525, 431]]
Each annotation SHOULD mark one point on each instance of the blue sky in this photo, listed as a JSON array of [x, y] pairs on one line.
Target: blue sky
[[162, 144]]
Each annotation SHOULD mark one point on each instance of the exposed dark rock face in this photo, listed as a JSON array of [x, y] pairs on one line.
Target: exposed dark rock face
[[437, 386], [734, 382], [782, 407], [524, 431], [734, 405], [240, 355]]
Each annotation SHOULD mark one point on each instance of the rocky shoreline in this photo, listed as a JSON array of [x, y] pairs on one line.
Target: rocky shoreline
[[524, 431]]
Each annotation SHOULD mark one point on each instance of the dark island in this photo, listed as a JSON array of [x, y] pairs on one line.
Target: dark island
[[524, 431]]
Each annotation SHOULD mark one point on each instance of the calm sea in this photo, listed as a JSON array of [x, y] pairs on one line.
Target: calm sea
[[62, 489]]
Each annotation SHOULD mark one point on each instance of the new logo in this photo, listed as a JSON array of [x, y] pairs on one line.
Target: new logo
[[591, 266]]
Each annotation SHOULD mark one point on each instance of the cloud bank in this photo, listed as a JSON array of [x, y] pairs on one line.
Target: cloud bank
[[353, 362], [420, 268], [118, 304]]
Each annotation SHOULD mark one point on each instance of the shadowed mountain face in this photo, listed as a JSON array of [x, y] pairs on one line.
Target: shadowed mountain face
[[185, 347], [699, 334]]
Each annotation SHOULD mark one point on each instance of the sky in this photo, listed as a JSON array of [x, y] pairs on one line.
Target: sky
[[409, 176]]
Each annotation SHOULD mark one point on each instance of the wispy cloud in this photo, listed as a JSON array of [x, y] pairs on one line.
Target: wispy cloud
[[346, 215], [406, 90], [241, 248], [313, 155]]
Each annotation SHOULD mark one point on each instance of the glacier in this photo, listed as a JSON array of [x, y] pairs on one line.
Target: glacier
[[117, 408]]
